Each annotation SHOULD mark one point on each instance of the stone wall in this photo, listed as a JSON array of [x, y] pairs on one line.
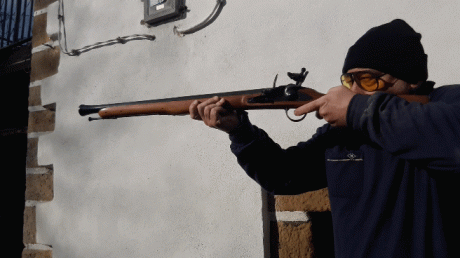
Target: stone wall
[[39, 178]]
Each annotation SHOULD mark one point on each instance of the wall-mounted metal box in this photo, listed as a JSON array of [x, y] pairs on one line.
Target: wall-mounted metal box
[[158, 12]]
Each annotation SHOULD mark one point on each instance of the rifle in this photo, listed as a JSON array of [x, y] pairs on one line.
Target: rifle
[[282, 97]]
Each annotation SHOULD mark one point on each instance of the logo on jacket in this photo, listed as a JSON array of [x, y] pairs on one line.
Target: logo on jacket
[[351, 157]]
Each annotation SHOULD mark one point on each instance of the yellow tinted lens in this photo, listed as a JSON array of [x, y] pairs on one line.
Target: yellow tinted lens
[[367, 81], [347, 81]]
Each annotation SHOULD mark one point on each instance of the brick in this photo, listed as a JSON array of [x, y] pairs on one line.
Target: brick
[[295, 240], [310, 201], [42, 121], [39, 187], [44, 64], [30, 228], [32, 150], [39, 35], [35, 96], [40, 4], [31, 253]]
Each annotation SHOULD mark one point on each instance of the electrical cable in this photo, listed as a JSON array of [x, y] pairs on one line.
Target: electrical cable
[[77, 52], [210, 19]]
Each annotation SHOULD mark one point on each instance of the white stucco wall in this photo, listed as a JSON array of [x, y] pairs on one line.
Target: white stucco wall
[[169, 186]]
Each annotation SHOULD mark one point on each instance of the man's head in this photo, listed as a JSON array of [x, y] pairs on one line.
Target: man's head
[[392, 50]]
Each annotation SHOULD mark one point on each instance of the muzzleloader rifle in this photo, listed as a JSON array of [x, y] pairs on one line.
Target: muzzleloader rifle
[[278, 97]]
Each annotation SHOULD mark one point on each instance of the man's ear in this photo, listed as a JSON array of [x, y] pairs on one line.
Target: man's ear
[[416, 86], [422, 88]]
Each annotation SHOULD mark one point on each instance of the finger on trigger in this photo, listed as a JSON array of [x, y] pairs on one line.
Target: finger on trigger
[[307, 108]]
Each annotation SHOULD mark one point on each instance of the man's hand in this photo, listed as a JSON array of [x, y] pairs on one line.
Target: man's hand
[[331, 107], [214, 114]]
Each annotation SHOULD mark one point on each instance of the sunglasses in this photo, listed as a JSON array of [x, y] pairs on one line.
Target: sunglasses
[[368, 81]]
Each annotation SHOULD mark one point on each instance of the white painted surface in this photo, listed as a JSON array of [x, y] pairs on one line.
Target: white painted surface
[[169, 186], [291, 216]]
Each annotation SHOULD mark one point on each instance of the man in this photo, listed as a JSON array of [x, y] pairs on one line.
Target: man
[[391, 167]]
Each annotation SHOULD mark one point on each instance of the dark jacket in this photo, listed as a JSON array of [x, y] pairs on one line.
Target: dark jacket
[[392, 173]]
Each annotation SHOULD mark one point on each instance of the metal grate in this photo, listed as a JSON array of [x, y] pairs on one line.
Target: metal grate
[[16, 18]]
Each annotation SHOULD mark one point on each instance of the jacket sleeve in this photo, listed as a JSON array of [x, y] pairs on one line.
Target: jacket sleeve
[[295, 170], [428, 134]]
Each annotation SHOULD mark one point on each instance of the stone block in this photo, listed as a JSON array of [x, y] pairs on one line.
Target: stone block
[[41, 121], [35, 96], [44, 64], [39, 187], [30, 228], [295, 240], [317, 201], [32, 150], [39, 35], [32, 253]]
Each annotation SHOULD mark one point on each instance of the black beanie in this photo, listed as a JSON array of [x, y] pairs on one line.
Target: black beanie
[[393, 48]]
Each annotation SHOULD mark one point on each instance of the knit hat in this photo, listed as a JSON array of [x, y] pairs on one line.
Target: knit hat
[[393, 48]]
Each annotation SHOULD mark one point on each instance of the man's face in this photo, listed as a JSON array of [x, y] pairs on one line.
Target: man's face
[[392, 85]]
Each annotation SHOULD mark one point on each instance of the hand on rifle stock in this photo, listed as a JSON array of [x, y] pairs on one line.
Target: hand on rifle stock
[[214, 114]]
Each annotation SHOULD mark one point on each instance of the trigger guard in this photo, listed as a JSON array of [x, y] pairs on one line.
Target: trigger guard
[[292, 119]]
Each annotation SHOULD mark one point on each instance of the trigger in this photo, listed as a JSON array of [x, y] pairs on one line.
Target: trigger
[[293, 119]]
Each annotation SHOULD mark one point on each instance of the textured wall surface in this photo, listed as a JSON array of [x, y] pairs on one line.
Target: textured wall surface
[[169, 186]]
